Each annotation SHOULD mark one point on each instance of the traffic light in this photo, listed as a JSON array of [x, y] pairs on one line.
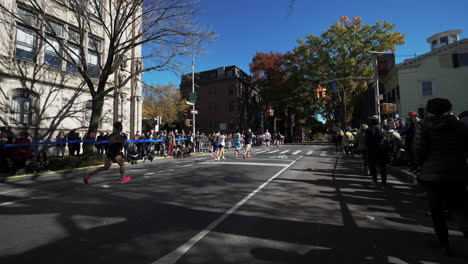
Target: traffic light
[[270, 112], [321, 92], [188, 122]]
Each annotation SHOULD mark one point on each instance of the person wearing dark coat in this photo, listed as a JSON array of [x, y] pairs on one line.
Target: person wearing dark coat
[[377, 152], [441, 148]]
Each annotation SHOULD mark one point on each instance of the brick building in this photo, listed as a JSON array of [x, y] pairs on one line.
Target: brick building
[[224, 99]]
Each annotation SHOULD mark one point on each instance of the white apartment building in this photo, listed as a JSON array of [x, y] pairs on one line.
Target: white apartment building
[[42, 94], [442, 72]]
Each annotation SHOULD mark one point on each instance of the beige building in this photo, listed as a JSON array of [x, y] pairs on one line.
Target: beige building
[[43, 94], [442, 72]]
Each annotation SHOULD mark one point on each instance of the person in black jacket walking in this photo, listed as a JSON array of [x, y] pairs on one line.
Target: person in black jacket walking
[[378, 149], [441, 146]]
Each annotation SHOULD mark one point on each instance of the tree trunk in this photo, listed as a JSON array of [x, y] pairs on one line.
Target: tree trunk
[[96, 113]]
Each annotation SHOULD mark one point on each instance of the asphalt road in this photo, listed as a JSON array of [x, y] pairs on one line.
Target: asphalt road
[[298, 204]]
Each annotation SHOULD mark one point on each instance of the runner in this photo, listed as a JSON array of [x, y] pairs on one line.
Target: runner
[[248, 143], [222, 144], [114, 154], [216, 145], [237, 143], [277, 140], [267, 139]]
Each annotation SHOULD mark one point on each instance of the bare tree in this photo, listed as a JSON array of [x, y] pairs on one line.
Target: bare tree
[[103, 38]]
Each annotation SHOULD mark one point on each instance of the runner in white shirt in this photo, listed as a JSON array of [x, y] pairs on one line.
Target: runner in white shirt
[[222, 144], [267, 139]]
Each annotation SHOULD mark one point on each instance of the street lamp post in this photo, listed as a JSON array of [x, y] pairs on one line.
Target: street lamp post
[[193, 94]]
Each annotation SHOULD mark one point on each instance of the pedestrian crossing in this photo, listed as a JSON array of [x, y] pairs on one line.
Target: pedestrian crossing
[[320, 153]]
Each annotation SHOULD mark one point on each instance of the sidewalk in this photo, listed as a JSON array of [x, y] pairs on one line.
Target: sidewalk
[[6, 176], [402, 173]]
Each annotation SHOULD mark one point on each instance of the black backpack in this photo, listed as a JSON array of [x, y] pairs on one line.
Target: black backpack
[[384, 142]]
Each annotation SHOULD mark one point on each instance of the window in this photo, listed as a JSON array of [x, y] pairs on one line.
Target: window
[[210, 91], [22, 107], [231, 106], [427, 88], [454, 38], [93, 67], [88, 111], [74, 56], [398, 92], [26, 44], [231, 91], [443, 41], [53, 27], [94, 46], [52, 51], [460, 59], [27, 17], [74, 36], [434, 43]]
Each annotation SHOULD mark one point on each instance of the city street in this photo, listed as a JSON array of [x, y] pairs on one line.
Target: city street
[[296, 204]]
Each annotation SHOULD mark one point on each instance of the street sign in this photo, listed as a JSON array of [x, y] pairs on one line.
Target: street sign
[[379, 97], [194, 112]]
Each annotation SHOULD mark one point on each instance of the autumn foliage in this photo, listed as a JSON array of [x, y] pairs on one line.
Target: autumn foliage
[[165, 101]]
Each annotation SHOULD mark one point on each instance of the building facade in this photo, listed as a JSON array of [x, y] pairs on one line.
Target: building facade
[[224, 99], [442, 72], [43, 94]]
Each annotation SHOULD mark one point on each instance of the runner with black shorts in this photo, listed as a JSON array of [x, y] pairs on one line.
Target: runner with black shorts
[[114, 154], [248, 143]]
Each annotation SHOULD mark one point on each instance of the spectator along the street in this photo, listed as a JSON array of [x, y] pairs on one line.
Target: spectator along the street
[[441, 148]]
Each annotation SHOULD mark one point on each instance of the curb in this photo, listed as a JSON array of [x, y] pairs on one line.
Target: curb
[[402, 174], [76, 169]]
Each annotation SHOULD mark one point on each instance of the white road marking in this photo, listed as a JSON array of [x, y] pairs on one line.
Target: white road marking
[[283, 152], [259, 152], [271, 152], [296, 152], [17, 201], [16, 190], [323, 154], [185, 166], [246, 163], [175, 255], [105, 186], [309, 153]]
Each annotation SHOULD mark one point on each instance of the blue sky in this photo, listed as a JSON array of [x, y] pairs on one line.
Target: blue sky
[[247, 26]]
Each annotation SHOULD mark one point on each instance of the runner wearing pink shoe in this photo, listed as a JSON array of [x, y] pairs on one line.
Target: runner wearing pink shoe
[[114, 154]]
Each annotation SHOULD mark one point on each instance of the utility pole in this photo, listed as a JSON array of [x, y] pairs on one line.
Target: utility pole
[[376, 77], [377, 92]]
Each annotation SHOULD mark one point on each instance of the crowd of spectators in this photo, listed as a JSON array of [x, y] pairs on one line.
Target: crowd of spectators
[[434, 148]]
